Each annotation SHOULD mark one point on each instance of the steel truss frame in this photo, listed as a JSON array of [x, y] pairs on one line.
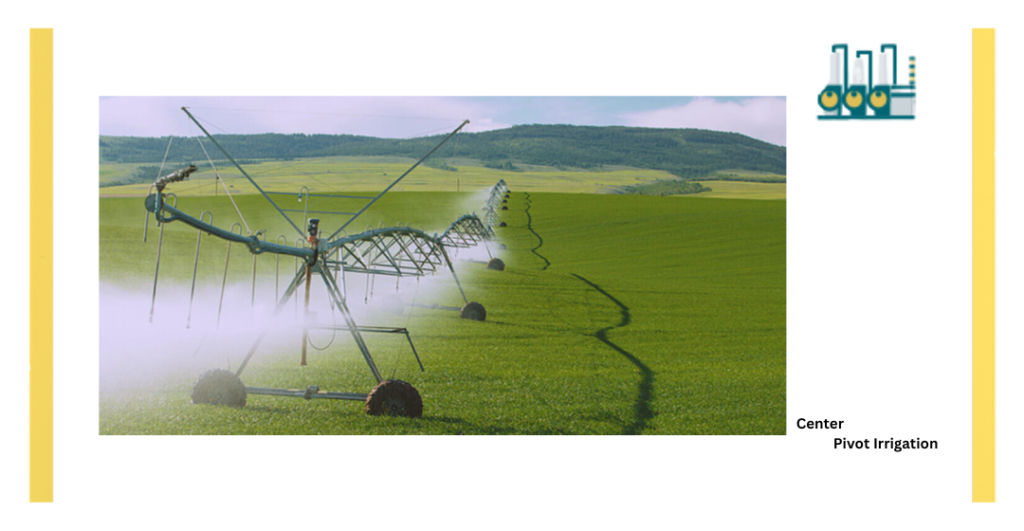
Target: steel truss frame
[[392, 251]]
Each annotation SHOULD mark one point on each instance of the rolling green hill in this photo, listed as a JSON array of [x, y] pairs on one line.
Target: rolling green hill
[[685, 153]]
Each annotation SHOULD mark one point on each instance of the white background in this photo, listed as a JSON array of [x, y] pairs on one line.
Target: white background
[[879, 268]]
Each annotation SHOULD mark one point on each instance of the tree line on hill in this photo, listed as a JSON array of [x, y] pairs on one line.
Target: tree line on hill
[[686, 153]]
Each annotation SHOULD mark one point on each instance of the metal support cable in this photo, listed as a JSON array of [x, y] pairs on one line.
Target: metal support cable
[[145, 230], [396, 181], [247, 176], [161, 172], [219, 178]]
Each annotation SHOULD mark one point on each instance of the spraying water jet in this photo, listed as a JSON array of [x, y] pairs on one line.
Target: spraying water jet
[[390, 251]]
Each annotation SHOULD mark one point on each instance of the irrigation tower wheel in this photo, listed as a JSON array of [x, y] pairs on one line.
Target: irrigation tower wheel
[[502, 224], [474, 311], [496, 264], [219, 387], [395, 398]]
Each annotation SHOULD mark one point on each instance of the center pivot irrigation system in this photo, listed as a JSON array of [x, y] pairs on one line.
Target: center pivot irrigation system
[[399, 251]]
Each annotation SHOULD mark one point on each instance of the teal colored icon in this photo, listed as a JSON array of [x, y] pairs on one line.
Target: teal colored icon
[[831, 98], [881, 97], [855, 100], [862, 98], [856, 97]]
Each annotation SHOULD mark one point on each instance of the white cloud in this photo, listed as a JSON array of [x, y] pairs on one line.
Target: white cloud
[[407, 117]]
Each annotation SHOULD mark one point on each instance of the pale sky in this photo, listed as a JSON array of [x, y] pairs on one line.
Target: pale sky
[[763, 118]]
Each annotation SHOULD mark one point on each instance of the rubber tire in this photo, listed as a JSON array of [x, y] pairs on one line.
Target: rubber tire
[[395, 398], [502, 224], [504, 208], [496, 264], [473, 311], [218, 387], [504, 200]]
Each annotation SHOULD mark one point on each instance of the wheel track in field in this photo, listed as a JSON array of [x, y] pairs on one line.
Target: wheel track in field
[[642, 411], [529, 226]]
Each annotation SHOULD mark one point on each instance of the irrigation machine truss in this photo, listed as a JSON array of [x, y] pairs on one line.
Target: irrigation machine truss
[[398, 251]]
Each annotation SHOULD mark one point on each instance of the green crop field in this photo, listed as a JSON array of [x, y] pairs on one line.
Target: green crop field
[[616, 314], [744, 190], [347, 174]]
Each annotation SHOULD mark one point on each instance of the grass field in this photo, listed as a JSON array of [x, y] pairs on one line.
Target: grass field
[[749, 176], [349, 174], [743, 190], [616, 314]]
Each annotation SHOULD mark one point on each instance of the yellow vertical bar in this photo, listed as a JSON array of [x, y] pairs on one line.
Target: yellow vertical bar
[[984, 237], [40, 453]]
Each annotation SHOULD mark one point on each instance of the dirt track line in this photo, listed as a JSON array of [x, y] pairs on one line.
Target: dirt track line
[[642, 411], [529, 226]]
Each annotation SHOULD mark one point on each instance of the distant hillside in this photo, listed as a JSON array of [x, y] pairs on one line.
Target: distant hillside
[[686, 153]]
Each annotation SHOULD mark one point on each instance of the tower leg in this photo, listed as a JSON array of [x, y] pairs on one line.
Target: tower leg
[[339, 301], [305, 316], [299, 276]]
